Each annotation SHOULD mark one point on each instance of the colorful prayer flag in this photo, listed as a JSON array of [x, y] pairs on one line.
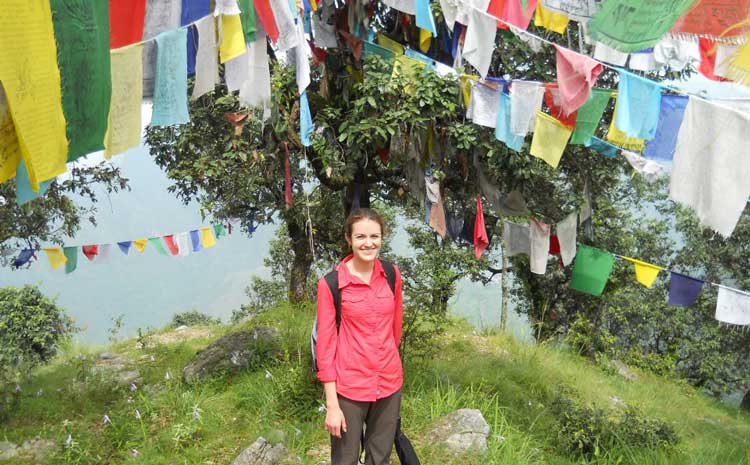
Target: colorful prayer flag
[[589, 115], [170, 88], [638, 106], [126, 19], [550, 139], [502, 125], [481, 241], [733, 306], [207, 237], [140, 244], [125, 246], [56, 256], [90, 251], [24, 193], [195, 239], [603, 147], [591, 270], [169, 240], [158, 244], [645, 273], [715, 18], [219, 230], [621, 139], [550, 20], [124, 128], [425, 21], [662, 146], [232, 39], [683, 289], [71, 254], [23, 257]]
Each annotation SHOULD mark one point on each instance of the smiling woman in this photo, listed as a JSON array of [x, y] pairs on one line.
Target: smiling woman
[[357, 349]]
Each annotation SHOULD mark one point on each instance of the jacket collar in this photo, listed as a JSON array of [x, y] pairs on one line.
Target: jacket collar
[[346, 278]]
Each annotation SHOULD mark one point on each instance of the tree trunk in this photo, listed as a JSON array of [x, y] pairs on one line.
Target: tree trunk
[[504, 291], [745, 404], [302, 261]]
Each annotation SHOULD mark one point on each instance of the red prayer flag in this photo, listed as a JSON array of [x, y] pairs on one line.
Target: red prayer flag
[[265, 13], [90, 251], [496, 9], [384, 154], [552, 100], [554, 245], [708, 59], [126, 22], [287, 178], [171, 244], [715, 18], [481, 241]]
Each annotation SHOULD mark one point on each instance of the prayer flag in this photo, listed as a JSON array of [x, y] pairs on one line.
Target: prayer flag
[[305, 120], [390, 44], [31, 79], [621, 139], [576, 75], [170, 89], [465, 85], [23, 257], [539, 239], [502, 126], [71, 254], [184, 243], [591, 270], [425, 40], [554, 245], [125, 246], [424, 18], [90, 251], [207, 237], [103, 253], [485, 99], [437, 217], [206, 62], [517, 239], [525, 101], [662, 146], [603, 147], [550, 139], [82, 35], [247, 18], [124, 122], [256, 91], [739, 67], [638, 106], [10, 151], [232, 39], [226, 7], [550, 20], [708, 58], [589, 115], [161, 16], [288, 197], [632, 25], [169, 240], [219, 230], [140, 244], [158, 244], [479, 42], [265, 14], [711, 166], [683, 289], [733, 306], [647, 168], [554, 105], [518, 13], [56, 256], [375, 49], [126, 22], [481, 241], [578, 10], [645, 273], [715, 18], [287, 32], [192, 11], [24, 193], [566, 234]]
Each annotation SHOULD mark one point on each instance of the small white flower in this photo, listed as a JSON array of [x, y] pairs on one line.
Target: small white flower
[[137, 414], [106, 419], [130, 400], [39, 393], [133, 387], [268, 374], [69, 440], [153, 360], [18, 389], [197, 412], [322, 408], [167, 376], [134, 452]]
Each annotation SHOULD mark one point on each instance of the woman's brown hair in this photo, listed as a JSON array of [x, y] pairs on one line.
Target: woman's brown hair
[[363, 214]]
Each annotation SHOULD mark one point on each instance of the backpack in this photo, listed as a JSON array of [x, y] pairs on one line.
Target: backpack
[[332, 279]]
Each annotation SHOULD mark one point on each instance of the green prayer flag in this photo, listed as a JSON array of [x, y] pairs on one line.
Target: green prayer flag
[[589, 115], [632, 25], [219, 230], [158, 244], [82, 36], [375, 49], [247, 18], [71, 253], [591, 270]]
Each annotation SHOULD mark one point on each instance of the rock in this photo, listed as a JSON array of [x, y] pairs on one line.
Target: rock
[[262, 452], [232, 353], [745, 404], [38, 448], [128, 377], [8, 450], [464, 430], [623, 370], [108, 355], [181, 328]]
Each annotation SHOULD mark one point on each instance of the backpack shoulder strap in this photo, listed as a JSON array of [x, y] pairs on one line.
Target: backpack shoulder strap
[[390, 274], [332, 279]]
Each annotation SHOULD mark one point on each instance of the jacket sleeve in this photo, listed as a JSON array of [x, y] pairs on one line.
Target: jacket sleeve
[[398, 318], [325, 347]]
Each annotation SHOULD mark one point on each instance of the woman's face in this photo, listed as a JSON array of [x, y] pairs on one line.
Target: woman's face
[[365, 240]]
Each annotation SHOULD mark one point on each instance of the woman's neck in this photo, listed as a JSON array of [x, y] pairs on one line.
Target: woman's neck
[[361, 266]]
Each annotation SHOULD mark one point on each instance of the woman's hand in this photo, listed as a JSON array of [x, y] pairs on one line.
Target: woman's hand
[[335, 421]]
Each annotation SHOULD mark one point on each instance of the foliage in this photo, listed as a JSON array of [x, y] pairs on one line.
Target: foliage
[[59, 213], [193, 318], [263, 294]]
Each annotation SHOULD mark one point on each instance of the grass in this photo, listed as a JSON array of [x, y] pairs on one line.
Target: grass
[[511, 383]]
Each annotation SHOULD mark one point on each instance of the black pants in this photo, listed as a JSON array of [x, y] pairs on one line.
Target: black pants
[[380, 418]]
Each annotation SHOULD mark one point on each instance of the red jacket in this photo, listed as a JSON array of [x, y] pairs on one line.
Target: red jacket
[[362, 358]]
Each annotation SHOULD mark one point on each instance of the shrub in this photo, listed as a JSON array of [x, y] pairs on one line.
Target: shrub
[[193, 318]]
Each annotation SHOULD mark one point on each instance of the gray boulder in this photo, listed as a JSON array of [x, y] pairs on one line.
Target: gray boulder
[[37, 448], [462, 431], [8, 450], [233, 352], [262, 452]]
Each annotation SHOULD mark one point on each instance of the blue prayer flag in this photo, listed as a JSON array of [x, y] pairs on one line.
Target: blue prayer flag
[[638, 106], [125, 246], [662, 146], [195, 239], [170, 87], [502, 125], [193, 10], [23, 187], [683, 290], [603, 147], [424, 16], [305, 120], [23, 258]]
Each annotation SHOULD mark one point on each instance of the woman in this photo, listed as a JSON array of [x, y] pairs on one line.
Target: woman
[[358, 362]]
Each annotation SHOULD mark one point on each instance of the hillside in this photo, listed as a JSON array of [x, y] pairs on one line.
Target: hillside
[[544, 405]]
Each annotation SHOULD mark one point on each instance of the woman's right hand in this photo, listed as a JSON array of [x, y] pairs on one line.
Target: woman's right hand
[[335, 421]]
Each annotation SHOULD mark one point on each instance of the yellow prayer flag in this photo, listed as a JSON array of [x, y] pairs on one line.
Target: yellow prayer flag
[[56, 256], [232, 39], [124, 128], [550, 139], [140, 244], [425, 38], [739, 68], [465, 84], [207, 237], [10, 152], [390, 44], [313, 5], [31, 79], [550, 20], [621, 139], [645, 273]]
